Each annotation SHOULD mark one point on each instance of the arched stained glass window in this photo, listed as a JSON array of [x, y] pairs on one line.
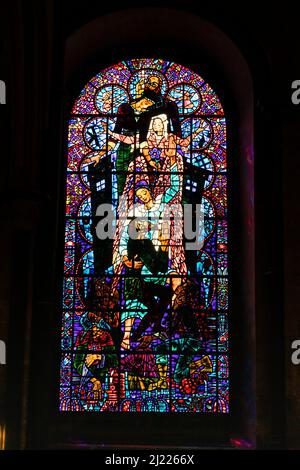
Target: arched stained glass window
[[145, 295]]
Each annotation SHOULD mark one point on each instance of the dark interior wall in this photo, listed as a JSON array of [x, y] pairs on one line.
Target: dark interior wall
[[5, 235], [291, 172], [30, 183], [29, 270]]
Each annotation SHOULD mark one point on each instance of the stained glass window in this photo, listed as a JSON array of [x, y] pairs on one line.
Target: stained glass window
[[145, 293]]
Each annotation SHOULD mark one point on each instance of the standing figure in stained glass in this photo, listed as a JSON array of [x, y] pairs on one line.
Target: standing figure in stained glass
[[155, 250], [133, 121], [156, 147]]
